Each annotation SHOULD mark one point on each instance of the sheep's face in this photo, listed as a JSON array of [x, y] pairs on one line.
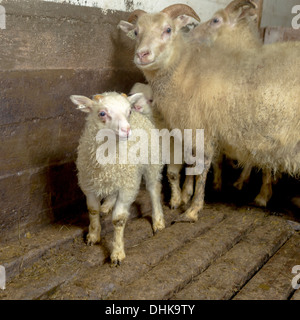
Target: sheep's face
[[154, 34], [143, 104], [226, 20], [208, 31], [110, 110], [154, 37]]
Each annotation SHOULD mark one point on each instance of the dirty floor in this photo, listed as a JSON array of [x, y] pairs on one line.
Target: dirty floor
[[230, 253]]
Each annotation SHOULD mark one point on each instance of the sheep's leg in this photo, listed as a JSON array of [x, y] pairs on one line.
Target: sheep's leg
[[217, 169], [244, 177], [173, 174], [187, 189], [191, 214], [93, 205], [119, 217], [108, 204], [265, 193], [153, 185]]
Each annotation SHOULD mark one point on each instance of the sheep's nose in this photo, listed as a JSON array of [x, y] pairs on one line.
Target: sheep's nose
[[143, 54]]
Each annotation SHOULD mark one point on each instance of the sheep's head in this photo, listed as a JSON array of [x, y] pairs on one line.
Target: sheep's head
[[144, 104], [226, 19], [155, 33], [110, 110]]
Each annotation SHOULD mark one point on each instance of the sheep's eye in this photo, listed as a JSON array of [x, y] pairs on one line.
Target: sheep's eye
[[216, 20], [102, 114], [135, 33], [168, 30]]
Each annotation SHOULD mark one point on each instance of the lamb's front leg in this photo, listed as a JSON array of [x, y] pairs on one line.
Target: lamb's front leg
[[153, 185], [191, 214], [93, 205], [173, 174], [187, 189], [120, 215]]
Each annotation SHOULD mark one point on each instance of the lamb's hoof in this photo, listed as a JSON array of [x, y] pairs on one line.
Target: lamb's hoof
[[117, 257], [158, 226], [189, 216], [115, 264], [92, 239], [175, 202]]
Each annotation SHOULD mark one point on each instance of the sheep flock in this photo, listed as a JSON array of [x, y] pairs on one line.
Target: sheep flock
[[218, 77]]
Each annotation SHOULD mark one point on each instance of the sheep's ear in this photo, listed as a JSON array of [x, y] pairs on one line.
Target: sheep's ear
[[182, 21], [126, 26], [83, 103], [136, 97]]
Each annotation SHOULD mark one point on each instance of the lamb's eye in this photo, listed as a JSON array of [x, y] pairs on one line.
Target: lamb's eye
[[135, 33], [102, 114], [216, 20], [169, 30]]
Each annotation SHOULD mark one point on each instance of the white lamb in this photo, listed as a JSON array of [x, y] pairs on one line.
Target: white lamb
[[147, 106], [117, 183]]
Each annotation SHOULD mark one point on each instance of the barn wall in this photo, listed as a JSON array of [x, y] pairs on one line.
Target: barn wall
[[276, 13], [49, 51]]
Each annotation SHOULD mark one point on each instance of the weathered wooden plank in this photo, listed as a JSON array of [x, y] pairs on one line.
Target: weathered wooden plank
[[43, 35], [230, 272], [280, 34], [274, 280], [175, 272], [100, 282]]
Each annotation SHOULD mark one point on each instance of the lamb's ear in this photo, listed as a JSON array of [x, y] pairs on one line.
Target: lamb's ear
[[126, 26], [133, 99], [83, 103]]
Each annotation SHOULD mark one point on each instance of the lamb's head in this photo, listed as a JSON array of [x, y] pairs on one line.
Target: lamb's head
[[236, 14], [155, 34], [144, 104], [109, 110]]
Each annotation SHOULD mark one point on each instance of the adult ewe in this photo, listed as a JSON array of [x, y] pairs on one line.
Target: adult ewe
[[248, 99]]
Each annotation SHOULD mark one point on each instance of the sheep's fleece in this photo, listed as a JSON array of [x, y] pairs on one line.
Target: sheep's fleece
[[107, 179]]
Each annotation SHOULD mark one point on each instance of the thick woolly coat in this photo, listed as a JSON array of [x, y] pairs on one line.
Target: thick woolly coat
[[108, 179]]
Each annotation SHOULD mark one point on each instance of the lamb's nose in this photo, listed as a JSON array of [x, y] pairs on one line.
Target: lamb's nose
[[126, 130]]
